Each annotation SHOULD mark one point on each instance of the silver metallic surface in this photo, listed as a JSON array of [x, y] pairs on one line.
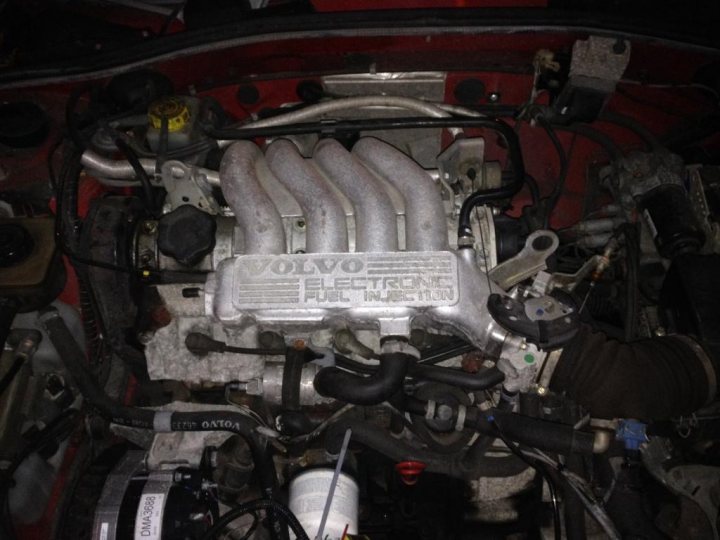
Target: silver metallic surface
[[531, 259], [375, 218], [121, 169], [425, 221], [185, 186], [380, 291], [271, 387], [323, 211], [464, 162], [254, 210], [598, 62]]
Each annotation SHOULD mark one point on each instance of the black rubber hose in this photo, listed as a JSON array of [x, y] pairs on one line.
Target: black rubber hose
[[381, 441], [292, 373], [533, 432], [650, 379], [140, 172], [254, 506], [384, 383], [573, 508], [505, 192], [483, 380]]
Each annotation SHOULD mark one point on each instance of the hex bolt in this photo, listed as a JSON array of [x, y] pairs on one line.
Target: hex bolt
[[444, 412]]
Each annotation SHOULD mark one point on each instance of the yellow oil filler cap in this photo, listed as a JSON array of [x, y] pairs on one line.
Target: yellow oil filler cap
[[172, 108]]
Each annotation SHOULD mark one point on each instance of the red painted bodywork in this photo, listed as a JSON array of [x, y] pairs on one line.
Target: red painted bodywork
[[502, 61]]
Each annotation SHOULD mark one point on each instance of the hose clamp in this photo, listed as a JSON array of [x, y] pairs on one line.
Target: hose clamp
[[462, 414], [162, 421], [430, 411], [402, 347]]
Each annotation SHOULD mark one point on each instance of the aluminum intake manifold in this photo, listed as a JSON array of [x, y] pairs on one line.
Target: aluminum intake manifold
[[375, 287]]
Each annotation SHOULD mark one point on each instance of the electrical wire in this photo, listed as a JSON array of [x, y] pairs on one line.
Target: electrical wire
[[140, 172], [254, 506], [559, 187]]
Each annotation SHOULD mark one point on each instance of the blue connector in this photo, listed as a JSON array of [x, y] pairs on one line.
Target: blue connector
[[632, 433]]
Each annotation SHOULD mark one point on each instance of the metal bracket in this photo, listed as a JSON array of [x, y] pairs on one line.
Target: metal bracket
[[531, 260], [188, 185]]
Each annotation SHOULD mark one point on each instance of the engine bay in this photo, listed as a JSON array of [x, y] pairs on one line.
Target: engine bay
[[446, 298]]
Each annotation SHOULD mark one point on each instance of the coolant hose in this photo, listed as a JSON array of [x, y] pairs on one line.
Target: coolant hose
[[381, 441], [650, 379], [161, 421], [371, 390]]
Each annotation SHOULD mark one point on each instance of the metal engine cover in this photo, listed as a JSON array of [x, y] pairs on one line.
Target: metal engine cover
[[307, 288]]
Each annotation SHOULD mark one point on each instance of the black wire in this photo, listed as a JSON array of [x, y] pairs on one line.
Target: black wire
[[557, 191], [632, 258], [633, 125], [596, 136], [533, 189], [254, 506], [71, 121], [140, 172]]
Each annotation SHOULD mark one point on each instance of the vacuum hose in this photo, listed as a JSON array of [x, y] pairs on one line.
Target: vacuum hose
[[649, 379]]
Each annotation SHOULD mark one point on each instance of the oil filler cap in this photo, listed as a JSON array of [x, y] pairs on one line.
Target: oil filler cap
[[174, 109], [186, 234]]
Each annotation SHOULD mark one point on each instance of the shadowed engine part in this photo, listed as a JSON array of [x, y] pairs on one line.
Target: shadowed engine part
[[650, 379]]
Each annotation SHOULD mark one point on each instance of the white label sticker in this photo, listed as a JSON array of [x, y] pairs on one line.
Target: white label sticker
[[148, 520], [104, 529]]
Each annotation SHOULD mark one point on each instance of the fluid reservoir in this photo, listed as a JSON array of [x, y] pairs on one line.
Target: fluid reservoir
[[181, 114], [308, 495]]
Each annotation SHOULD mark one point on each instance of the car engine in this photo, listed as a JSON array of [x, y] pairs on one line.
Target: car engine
[[368, 303]]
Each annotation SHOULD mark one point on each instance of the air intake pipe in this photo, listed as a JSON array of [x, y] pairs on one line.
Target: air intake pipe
[[324, 214], [649, 379], [254, 210]]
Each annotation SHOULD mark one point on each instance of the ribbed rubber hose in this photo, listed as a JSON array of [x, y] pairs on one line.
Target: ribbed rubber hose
[[650, 379]]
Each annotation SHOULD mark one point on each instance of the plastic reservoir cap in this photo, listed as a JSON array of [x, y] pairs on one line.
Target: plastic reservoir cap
[[172, 108]]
